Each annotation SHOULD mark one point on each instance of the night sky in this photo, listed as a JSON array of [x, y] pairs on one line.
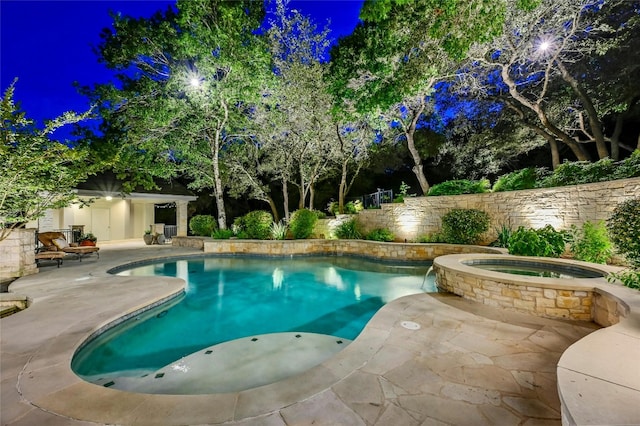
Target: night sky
[[48, 45]]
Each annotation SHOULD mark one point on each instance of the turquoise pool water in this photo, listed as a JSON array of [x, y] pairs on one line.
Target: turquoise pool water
[[228, 298]]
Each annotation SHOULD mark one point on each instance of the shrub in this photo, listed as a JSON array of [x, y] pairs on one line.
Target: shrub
[[544, 242], [381, 234], [301, 223], [624, 229], [520, 179], [591, 242], [222, 234], [456, 187], [255, 225], [202, 225], [464, 226], [351, 207], [576, 172], [629, 167], [348, 230], [278, 230], [320, 214], [503, 235], [436, 237], [629, 278]]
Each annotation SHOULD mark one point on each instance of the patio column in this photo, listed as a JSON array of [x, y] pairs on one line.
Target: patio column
[[181, 218]]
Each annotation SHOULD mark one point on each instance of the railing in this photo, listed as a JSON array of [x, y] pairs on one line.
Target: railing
[[374, 200], [71, 235], [170, 231]]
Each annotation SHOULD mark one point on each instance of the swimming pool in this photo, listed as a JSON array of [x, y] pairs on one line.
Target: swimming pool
[[232, 298]]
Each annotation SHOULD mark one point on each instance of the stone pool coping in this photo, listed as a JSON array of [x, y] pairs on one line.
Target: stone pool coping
[[598, 376]]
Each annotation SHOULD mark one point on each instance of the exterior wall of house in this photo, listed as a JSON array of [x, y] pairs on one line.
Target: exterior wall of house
[[560, 207]]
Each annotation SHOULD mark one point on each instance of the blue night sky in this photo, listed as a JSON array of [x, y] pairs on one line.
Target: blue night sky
[[48, 45]]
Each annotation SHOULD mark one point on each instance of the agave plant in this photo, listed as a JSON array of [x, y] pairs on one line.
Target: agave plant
[[278, 230]]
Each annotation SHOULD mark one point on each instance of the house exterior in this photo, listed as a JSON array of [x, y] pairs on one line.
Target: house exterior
[[110, 214]]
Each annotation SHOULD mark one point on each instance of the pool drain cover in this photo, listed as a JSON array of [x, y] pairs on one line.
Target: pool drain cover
[[410, 325]]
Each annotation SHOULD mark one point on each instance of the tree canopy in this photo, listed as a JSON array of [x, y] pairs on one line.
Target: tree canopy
[[38, 173]]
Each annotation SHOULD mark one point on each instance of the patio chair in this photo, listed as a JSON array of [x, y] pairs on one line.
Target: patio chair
[[55, 241]]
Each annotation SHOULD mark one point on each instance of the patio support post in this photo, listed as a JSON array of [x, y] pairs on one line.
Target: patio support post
[[181, 218]]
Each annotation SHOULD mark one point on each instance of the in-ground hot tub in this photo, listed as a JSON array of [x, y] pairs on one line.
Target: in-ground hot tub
[[531, 267], [548, 287]]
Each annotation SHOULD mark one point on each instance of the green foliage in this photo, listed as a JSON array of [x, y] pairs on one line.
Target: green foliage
[[202, 225], [255, 225], [461, 186], [320, 214], [222, 234], [156, 117], [503, 236], [629, 167], [302, 223], [37, 173], [464, 226], [436, 237], [380, 234], [629, 278], [577, 172], [591, 242], [348, 230], [402, 193], [544, 242], [351, 207], [520, 179], [87, 237], [278, 230], [624, 229]]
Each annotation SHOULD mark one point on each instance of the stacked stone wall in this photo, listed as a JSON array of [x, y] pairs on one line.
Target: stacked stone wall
[[17, 254], [385, 251], [546, 302], [560, 207]]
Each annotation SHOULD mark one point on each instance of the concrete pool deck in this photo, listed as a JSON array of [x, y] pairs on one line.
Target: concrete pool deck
[[465, 364]]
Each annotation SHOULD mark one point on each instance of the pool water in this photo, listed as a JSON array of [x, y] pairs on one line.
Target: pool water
[[228, 298], [538, 270]]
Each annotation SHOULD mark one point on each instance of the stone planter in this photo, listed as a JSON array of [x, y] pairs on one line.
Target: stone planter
[[148, 238]]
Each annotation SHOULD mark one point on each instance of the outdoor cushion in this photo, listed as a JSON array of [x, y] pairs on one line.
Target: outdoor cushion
[[61, 243]]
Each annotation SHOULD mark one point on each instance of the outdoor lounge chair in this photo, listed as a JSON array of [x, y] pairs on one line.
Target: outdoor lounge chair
[[55, 241]]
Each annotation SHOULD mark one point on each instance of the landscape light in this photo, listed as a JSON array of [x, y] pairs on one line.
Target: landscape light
[[544, 45], [195, 82]]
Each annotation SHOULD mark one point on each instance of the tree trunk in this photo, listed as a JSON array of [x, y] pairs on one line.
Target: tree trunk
[[594, 121], [343, 188], [274, 209], [311, 194], [285, 197], [542, 116], [217, 180], [409, 132]]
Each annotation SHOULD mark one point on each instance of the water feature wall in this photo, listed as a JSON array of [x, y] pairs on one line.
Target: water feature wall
[[560, 207]]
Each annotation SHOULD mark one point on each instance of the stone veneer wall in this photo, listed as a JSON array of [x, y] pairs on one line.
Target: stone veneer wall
[[17, 254], [386, 251], [582, 299], [551, 303], [560, 207]]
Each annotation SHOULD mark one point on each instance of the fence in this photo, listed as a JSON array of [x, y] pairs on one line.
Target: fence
[[374, 200]]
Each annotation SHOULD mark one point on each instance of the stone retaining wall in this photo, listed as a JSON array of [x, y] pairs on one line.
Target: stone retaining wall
[[17, 254], [560, 207], [385, 251]]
